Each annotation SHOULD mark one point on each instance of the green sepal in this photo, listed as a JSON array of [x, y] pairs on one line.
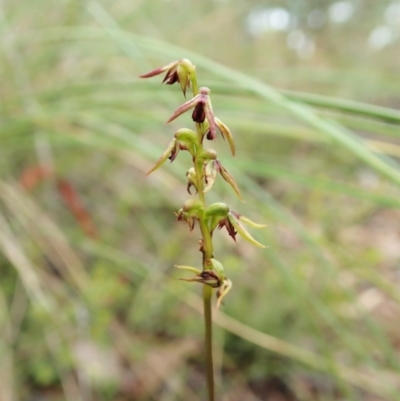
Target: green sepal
[[164, 156], [207, 155], [215, 213], [226, 133], [229, 179], [189, 268], [251, 223], [193, 208], [187, 65], [217, 209], [217, 266], [188, 138], [242, 231]]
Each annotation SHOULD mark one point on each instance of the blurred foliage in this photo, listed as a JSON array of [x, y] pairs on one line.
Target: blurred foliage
[[90, 304]]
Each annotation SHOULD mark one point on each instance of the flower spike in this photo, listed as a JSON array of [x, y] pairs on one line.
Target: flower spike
[[200, 179]]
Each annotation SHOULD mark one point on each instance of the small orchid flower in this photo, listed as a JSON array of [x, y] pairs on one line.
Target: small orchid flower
[[184, 139], [191, 211], [170, 153], [204, 114], [233, 224], [202, 110], [207, 277], [179, 71], [213, 276]]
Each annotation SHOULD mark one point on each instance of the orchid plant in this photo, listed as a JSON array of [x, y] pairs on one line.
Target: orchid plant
[[200, 179]]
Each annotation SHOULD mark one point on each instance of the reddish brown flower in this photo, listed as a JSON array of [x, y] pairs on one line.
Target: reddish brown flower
[[202, 110]]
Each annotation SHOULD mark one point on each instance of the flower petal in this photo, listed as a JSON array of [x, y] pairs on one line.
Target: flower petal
[[210, 174], [211, 122], [251, 223], [223, 290], [159, 70], [199, 112], [164, 156], [189, 268], [229, 179], [242, 231], [226, 133], [184, 107]]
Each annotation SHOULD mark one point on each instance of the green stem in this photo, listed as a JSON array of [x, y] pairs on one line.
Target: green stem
[[207, 295]]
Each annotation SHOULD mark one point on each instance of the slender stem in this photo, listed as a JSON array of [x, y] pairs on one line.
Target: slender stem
[[207, 294], [207, 248]]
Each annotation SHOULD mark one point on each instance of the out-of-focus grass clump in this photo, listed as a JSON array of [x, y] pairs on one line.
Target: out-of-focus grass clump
[[87, 311]]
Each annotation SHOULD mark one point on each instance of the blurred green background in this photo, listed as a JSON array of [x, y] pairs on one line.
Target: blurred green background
[[91, 307]]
